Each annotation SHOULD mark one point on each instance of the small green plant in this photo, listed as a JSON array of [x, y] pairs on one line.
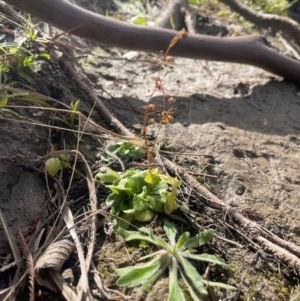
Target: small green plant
[[55, 164], [201, 180], [74, 105], [138, 194], [124, 150], [17, 56], [271, 6], [175, 257]]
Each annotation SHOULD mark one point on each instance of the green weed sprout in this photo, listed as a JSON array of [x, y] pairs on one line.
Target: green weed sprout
[[74, 105], [138, 194], [175, 257]]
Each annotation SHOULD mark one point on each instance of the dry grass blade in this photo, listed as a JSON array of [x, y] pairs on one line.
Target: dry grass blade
[[32, 94], [90, 126], [69, 221], [67, 215], [29, 263], [5, 293], [83, 283], [10, 239], [66, 291]]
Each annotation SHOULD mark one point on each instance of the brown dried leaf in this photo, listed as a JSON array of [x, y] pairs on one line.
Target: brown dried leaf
[[52, 259], [68, 276], [55, 256]]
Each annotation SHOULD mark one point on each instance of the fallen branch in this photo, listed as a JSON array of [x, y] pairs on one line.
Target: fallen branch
[[250, 50]]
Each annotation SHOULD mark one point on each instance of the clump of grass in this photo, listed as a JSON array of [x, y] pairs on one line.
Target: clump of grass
[[17, 55]]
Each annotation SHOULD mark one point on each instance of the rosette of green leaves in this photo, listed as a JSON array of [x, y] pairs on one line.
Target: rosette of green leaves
[[139, 194], [173, 256]]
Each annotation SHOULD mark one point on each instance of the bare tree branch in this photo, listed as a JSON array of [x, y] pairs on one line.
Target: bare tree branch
[[249, 50]]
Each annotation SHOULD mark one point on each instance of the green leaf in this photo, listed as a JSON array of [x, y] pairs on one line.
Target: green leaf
[[156, 240], [145, 216], [133, 235], [136, 182], [182, 239], [123, 221], [139, 204], [53, 165], [170, 204], [194, 2], [171, 231], [158, 189], [127, 207], [125, 193], [44, 55], [219, 284], [175, 293], [152, 177], [125, 234], [107, 175], [164, 263], [139, 20], [160, 253], [10, 111], [3, 101], [74, 108], [192, 275], [33, 100], [190, 288], [206, 257], [157, 204], [207, 186], [199, 239], [137, 275]]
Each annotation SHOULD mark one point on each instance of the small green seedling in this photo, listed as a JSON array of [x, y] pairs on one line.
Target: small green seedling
[[54, 165], [175, 257], [138, 194], [126, 151], [74, 105]]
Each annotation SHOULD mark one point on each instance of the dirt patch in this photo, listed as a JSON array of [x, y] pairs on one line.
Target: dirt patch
[[245, 147], [235, 126]]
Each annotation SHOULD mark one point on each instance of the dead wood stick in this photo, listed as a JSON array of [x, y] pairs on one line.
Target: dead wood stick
[[285, 251], [249, 50]]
